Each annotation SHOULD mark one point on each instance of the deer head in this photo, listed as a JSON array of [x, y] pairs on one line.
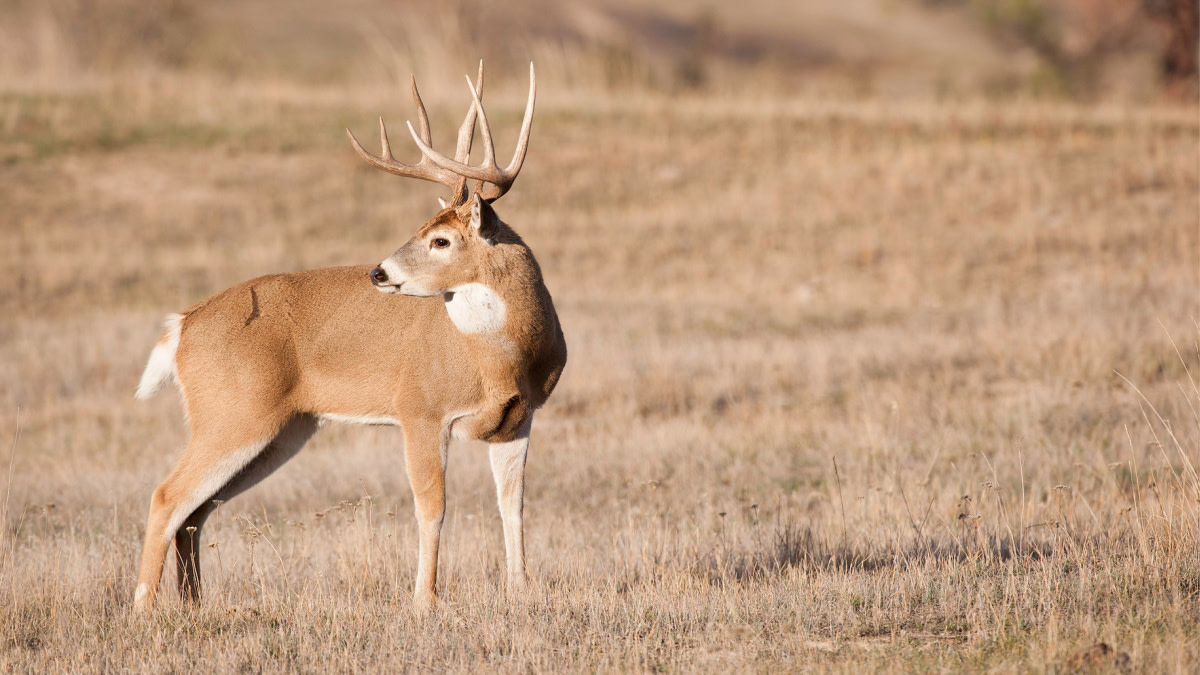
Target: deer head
[[453, 249]]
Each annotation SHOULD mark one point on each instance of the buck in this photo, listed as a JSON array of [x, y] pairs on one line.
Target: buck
[[453, 335]]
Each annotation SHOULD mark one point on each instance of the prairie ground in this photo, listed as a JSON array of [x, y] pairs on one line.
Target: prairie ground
[[853, 386]]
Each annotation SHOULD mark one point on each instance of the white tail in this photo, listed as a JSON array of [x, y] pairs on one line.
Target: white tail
[[453, 334], [161, 369]]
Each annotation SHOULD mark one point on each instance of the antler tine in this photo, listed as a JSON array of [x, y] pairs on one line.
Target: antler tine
[[362, 152], [514, 166], [424, 169], [428, 171], [422, 116], [466, 133], [489, 149], [501, 179], [386, 151], [462, 151]]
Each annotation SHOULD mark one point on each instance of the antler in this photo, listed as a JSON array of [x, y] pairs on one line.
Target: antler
[[427, 169], [488, 172]]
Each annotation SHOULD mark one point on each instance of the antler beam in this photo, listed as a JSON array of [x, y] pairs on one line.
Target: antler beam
[[427, 169], [488, 172]]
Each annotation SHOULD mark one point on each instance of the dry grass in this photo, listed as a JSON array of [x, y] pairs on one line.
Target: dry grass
[[852, 386]]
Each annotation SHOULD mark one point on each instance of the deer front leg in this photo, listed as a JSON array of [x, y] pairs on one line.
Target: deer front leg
[[424, 457], [508, 468]]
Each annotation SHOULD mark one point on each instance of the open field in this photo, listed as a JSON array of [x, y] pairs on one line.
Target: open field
[[853, 386]]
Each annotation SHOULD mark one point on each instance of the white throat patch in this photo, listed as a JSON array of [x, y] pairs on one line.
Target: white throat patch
[[475, 308]]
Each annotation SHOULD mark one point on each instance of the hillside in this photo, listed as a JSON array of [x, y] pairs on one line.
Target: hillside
[[888, 48]]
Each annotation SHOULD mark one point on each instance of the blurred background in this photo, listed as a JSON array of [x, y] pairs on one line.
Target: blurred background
[[1105, 49], [882, 318]]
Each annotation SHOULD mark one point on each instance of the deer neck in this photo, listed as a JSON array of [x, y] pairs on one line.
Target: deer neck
[[505, 310], [476, 309]]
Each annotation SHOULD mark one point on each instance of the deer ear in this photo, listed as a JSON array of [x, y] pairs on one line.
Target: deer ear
[[483, 219]]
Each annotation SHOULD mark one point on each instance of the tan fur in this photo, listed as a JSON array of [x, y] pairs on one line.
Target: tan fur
[[260, 362]]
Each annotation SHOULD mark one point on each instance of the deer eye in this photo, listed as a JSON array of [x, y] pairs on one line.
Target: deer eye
[[441, 242]]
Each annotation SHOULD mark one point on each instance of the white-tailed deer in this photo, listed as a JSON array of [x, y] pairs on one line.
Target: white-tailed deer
[[454, 335]]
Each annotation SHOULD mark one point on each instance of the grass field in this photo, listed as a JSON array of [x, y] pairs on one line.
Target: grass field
[[853, 386]]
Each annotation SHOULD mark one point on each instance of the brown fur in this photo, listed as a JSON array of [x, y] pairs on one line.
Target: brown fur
[[258, 362]]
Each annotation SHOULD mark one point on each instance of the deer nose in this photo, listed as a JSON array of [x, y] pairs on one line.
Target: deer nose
[[378, 276]]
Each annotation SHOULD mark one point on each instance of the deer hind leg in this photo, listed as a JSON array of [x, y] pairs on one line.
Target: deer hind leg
[[290, 439], [425, 447], [508, 468], [187, 552], [207, 468]]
